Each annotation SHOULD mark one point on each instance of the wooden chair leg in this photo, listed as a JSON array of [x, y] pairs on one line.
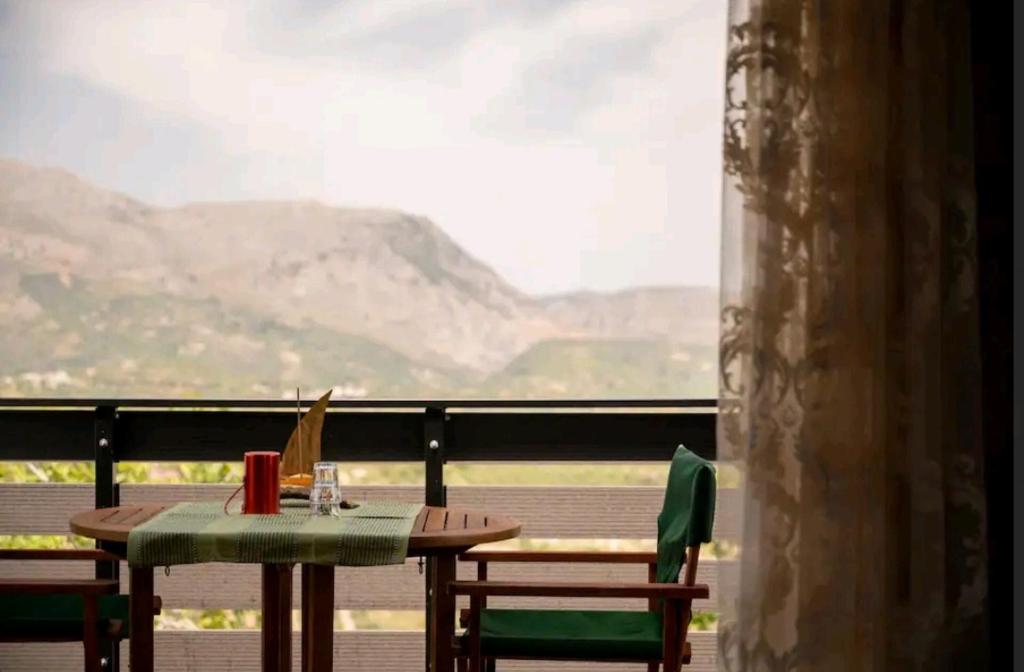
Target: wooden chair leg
[[490, 664], [91, 635], [652, 604], [140, 643], [686, 615], [671, 650], [475, 660]]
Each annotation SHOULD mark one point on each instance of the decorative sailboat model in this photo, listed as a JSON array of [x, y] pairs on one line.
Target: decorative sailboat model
[[303, 451]]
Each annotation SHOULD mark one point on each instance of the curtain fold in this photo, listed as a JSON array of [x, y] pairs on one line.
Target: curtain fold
[[850, 368]]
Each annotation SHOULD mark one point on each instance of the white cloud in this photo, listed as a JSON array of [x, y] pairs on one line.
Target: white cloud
[[612, 188]]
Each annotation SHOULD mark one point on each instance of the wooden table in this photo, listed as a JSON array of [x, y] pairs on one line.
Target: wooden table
[[439, 532]]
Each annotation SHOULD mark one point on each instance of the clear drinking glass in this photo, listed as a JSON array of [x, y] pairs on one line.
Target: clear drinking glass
[[325, 497]]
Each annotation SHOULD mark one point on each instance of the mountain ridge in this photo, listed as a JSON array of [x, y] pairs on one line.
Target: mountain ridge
[[380, 275]]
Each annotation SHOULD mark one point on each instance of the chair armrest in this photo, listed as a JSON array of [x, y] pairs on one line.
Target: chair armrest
[[56, 554], [59, 587], [544, 589], [604, 557]]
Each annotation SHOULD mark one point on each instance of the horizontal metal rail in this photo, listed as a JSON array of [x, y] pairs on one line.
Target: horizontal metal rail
[[360, 431], [62, 402]]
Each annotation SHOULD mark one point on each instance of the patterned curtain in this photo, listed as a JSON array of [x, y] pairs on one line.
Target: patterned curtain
[[850, 368]]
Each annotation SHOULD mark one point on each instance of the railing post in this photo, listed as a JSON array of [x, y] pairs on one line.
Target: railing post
[[435, 494], [107, 494], [434, 456], [106, 462]]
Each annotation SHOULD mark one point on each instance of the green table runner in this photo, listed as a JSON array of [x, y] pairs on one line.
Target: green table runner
[[374, 533]]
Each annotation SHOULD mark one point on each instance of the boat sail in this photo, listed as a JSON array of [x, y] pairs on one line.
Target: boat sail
[[303, 449]]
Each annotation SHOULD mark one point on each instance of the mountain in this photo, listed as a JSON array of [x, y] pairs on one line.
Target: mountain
[[294, 262], [101, 292], [678, 314]]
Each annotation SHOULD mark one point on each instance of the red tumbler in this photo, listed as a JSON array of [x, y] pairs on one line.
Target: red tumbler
[[262, 482]]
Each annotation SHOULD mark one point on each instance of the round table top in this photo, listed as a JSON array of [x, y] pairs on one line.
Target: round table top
[[437, 528]]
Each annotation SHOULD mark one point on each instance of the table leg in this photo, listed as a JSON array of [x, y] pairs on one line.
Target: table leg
[[442, 614], [304, 617], [277, 618], [140, 606], [317, 618]]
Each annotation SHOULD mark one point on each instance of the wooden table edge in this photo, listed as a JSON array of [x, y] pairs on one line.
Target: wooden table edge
[[420, 542]]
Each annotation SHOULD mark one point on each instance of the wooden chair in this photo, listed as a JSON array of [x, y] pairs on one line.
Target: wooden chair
[[64, 610], [656, 636]]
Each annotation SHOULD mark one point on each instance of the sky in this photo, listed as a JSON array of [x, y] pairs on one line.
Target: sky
[[569, 144]]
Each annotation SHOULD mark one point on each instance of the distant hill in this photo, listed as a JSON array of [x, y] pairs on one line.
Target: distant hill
[[607, 368], [679, 314], [103, 294]]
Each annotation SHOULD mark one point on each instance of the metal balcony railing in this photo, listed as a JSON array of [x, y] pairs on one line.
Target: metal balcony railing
[[434, 432]]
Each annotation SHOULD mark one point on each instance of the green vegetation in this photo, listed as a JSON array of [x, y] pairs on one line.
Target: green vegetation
[[606, 368], [363, 473], [704, 620], [165, 345], [45, 541], [96, 341]]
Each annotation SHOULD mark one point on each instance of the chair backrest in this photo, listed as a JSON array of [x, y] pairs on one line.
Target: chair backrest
[[687, 515]]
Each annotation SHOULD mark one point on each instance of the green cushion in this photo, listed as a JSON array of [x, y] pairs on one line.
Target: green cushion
[[34, 616], [688, 512], [587, 635]]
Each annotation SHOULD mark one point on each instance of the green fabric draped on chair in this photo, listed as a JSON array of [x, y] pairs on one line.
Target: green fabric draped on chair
[[656, 636]]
